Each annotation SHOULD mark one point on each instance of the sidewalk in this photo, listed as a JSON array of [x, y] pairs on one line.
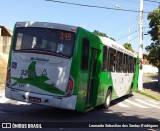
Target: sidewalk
[[4, 56], [2, 93], [150, 86]]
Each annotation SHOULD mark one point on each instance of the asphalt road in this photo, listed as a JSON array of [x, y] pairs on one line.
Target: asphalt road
[[137, 108]]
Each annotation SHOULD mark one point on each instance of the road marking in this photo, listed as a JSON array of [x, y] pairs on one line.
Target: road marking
[[22, 103], [154, 102], [147, 103], [3, 99], [122, 105], [131, 102]]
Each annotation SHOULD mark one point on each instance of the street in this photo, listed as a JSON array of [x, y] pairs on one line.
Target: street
[[137, 108]]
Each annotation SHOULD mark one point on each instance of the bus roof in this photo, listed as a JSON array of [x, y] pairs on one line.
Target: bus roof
[[111, 43], [47, 25]]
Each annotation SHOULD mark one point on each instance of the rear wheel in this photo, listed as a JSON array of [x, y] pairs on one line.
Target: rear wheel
[[130, 92], [108, 99]]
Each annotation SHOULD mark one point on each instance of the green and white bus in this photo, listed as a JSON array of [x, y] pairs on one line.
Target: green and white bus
[[67, 67]]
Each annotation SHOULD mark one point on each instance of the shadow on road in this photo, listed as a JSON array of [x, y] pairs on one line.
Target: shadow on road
[[36, 113], [152, 86]]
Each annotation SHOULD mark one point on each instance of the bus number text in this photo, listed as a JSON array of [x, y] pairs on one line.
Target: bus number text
[[28, 73]]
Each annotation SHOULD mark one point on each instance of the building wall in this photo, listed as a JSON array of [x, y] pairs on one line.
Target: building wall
[[5, 42], [149, 69]]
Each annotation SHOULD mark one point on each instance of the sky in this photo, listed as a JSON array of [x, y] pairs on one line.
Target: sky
[[114, 23]]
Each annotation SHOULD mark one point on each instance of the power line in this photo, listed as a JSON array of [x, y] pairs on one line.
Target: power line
[[152, 1], [94, 6], [133, 38], [127, 35]]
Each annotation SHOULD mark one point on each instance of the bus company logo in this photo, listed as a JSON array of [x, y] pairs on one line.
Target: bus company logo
[[6, 125], [39, 59], [14, 65]]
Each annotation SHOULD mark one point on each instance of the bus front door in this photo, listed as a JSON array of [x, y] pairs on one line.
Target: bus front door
[[94, 54]]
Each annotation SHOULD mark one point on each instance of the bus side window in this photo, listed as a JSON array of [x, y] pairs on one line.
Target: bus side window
[[85, 54], [119, 62], [105, 56], [131, 63], [112, 60], [125, 63]]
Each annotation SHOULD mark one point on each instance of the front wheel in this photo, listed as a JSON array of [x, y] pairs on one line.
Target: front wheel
[[108, 99]]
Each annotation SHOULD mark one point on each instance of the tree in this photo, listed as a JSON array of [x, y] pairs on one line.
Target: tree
[[154, 48], [102, 34], [128, 46], [99, 33]]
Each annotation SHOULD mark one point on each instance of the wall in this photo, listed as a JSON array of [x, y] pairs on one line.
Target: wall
[[5, 42], [149, 69]]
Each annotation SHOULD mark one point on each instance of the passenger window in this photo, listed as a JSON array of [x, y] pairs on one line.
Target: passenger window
[[112, 60], [125, 62], [130, 64], [85, 54], [105, 56], [119, 66]]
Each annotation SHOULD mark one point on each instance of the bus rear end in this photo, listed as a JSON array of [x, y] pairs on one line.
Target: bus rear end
[[39, 64]]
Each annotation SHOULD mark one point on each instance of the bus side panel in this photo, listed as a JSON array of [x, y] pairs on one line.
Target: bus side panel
[[136, 73], [96, 44], [104, 85], [80, 78]]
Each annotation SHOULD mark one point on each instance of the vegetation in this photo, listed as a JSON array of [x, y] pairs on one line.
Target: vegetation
[[150, 74], [128, 46], [102, 34], [149, 94], [154, 48]]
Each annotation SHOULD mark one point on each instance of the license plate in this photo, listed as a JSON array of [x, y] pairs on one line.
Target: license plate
[[35, 99]]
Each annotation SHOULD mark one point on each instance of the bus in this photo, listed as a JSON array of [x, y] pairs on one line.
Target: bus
[[67, 67]]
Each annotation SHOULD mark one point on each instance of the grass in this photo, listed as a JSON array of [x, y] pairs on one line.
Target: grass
[[150, 74], [3, 69], [148, 94]]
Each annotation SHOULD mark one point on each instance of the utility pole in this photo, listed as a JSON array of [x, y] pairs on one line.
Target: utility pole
[[140, 79]]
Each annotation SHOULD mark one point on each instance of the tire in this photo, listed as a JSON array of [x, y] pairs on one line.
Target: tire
[[130, 92], [108, 99]]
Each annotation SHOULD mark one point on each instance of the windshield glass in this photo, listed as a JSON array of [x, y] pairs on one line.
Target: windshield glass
[[44, 39]]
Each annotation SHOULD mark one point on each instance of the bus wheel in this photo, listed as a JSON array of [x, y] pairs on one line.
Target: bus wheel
[[108, 99], [130, 92]]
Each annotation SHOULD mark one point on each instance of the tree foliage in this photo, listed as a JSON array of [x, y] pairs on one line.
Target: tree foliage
[[99, 33], [154, 47], [102, 34], [128, 46]]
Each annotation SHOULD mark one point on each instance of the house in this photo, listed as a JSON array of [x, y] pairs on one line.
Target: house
[[147, 67], [5, 39]]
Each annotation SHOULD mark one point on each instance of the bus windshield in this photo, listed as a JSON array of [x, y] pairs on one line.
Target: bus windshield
[[44, 39]]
